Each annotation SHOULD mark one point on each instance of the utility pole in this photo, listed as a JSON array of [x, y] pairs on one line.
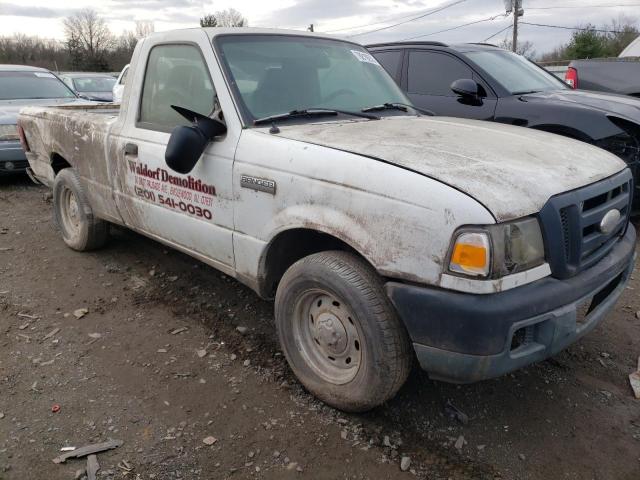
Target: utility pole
[[516, 8], [517, 12]]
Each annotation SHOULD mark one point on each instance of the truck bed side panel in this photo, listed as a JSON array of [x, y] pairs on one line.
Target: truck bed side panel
[[609, 75], [78, 137]]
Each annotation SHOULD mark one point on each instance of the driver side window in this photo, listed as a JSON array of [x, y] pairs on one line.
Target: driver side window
[[175, 75], [432, 73]]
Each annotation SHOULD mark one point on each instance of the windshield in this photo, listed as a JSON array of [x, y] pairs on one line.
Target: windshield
[[32, 85], [514, 72], [94, 84], [277, 74]]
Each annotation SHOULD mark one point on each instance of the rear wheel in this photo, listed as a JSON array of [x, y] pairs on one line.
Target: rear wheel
[[339, 332], [80, 229]]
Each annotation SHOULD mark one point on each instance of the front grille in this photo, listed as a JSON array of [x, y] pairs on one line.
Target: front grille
[[571, 223], [564, 218]]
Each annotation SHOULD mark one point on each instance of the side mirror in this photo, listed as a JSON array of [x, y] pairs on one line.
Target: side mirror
[[187, 144], [466, 88]]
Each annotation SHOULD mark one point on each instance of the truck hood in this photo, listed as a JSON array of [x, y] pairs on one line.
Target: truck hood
[[609, 103], [9, 109], [512, 171]]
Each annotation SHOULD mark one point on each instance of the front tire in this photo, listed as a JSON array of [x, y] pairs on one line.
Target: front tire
[[340, 333], [80, 229]]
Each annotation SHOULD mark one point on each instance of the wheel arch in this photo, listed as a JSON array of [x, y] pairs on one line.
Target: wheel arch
[[58, 162], [292, 244]]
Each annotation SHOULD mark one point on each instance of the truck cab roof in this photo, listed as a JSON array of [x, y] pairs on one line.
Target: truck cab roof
[[214, 32]]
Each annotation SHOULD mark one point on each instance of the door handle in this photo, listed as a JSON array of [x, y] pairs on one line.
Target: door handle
[[131, 149]]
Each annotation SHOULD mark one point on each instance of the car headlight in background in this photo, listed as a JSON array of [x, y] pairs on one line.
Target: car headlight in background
[[494, 251], [9, 133]]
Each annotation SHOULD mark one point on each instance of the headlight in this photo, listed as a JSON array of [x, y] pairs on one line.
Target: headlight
[[495, 251], [8, 133], [471, 254]]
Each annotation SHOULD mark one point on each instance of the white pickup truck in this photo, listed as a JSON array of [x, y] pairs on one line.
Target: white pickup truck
[[292, 162]]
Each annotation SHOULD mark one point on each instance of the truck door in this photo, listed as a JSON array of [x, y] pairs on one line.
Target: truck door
[[193, 212], [429, 76]]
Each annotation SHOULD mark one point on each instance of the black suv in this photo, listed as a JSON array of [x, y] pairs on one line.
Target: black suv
[[489, 83]]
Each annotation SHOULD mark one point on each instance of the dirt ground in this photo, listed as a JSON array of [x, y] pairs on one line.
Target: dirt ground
[[157, 362]]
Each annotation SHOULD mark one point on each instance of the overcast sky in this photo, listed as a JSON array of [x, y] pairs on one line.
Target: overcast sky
[[44, 17]]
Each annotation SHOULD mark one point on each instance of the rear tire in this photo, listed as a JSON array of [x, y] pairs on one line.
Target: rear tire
[[340, 333], [80, 229]]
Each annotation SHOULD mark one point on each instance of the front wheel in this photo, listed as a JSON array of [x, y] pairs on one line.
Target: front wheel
[[80, 229], [339, 332]]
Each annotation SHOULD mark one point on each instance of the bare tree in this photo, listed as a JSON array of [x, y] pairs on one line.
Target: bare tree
[[24, 47], [57, 55], [144, 28], [33, 51], [121, 53], [224, 18], [88, 39], [231, 18], [524, 48], [624, 30]]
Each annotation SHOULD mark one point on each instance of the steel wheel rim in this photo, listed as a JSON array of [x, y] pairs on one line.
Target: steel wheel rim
[[328, 336], [70, 212]]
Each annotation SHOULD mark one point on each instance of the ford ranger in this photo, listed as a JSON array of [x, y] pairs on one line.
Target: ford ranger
[[292, 162]]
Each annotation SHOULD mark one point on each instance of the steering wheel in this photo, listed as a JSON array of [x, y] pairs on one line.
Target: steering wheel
[[338, 93]]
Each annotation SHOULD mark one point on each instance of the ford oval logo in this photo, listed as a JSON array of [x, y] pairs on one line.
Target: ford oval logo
[[610, 221]]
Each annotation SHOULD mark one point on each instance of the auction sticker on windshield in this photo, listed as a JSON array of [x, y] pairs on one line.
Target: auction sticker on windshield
[[365, 57]]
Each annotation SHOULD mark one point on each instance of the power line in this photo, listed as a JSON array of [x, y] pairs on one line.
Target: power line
[[431, 12], [572, 28], [497, 33], [456, 27], [393, 19], [585, 6]]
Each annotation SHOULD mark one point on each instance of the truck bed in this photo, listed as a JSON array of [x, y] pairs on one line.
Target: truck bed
[[75, 136], [613, 75]]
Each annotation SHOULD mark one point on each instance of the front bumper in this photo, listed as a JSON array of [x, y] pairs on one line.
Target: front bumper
[[463, 338], [12, 158]]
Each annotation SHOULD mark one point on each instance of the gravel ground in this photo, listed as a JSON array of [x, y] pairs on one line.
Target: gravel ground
[[141, 344]]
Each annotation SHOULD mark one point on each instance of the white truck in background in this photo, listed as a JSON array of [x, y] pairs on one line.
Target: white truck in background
[[118, 87], [632, 50], [292, 162]]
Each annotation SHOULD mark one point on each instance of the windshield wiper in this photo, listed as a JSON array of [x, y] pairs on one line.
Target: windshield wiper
[[525, 92], [403, 107], [311, 112]]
